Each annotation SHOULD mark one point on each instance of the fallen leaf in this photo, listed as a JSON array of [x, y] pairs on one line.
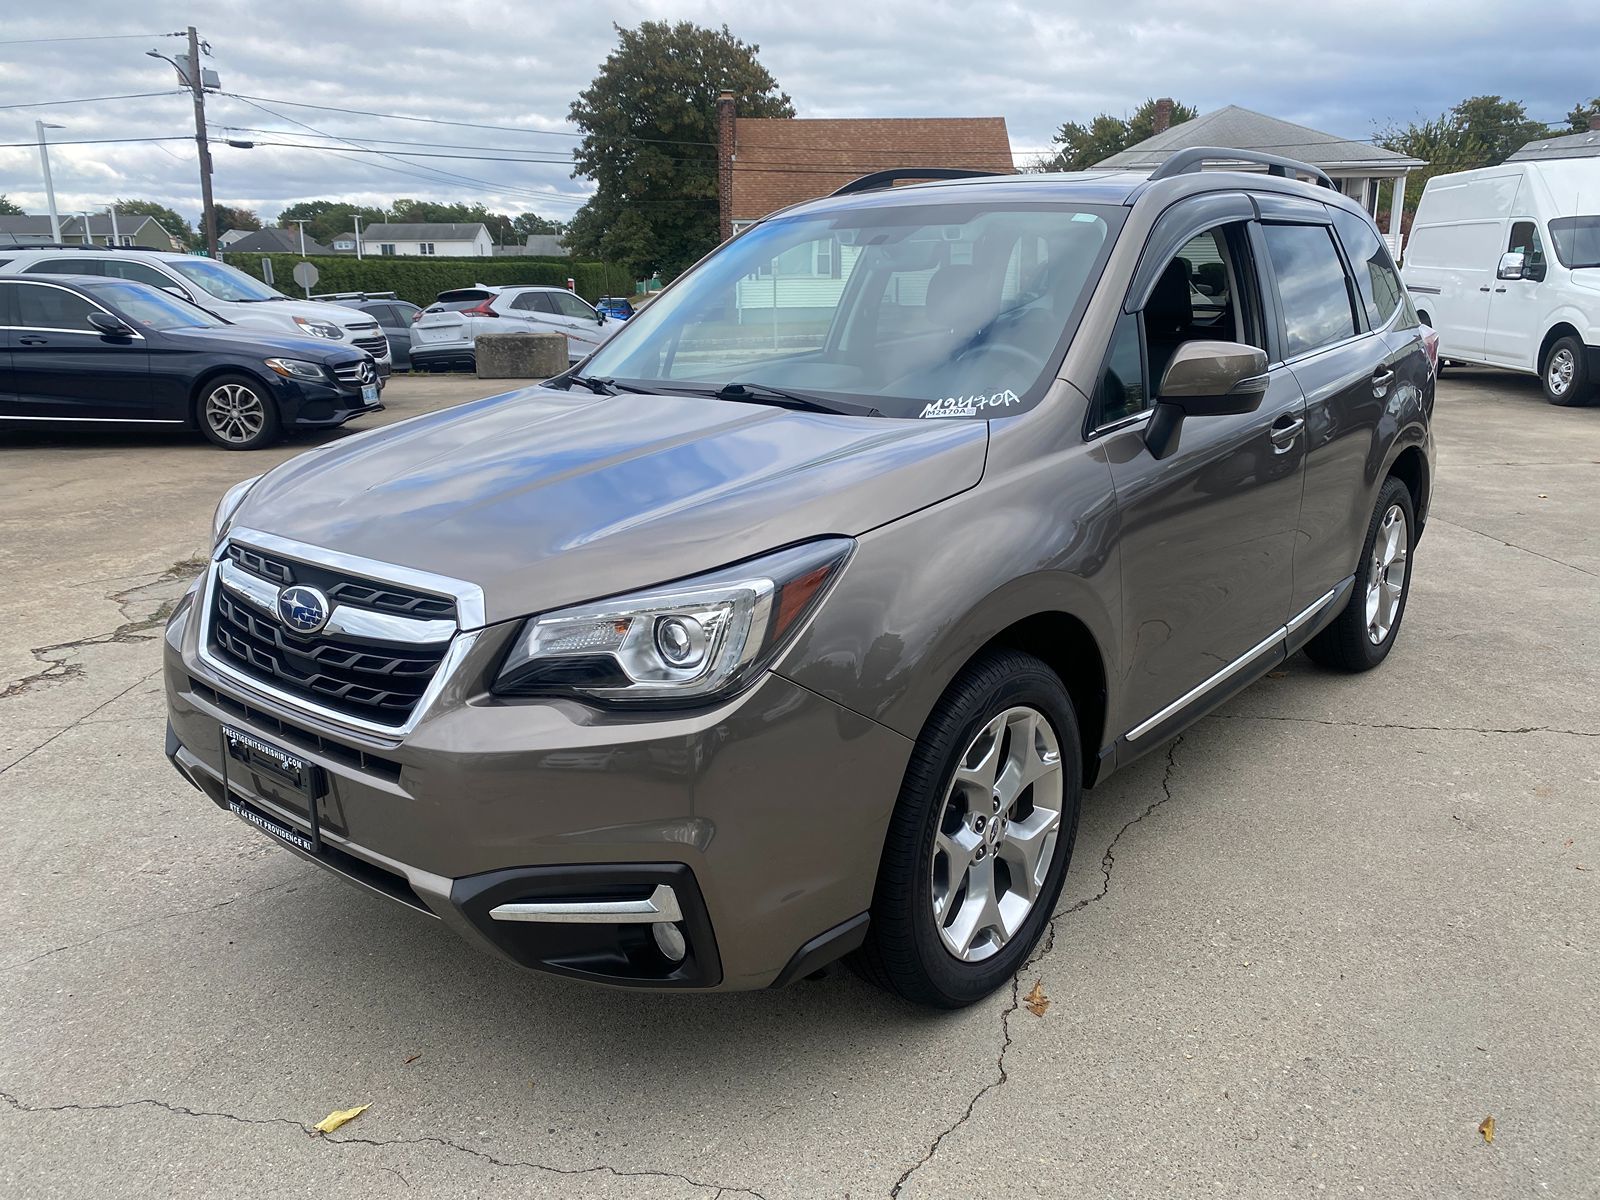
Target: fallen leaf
[[338, 1117], [1036, 1000], [1579, 867], [1544, 495], [1277, 674], [1486, 1127], [412, 1059]]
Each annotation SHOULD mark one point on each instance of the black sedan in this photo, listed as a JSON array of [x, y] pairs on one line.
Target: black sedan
[[88, 348]]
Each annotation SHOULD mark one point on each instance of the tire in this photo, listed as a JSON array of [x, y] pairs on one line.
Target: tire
[[1016, 702], [1358, 639], [1564, 374], [236, 412]]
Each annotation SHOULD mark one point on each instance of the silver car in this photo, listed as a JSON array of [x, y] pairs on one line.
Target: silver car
[[447, 331]]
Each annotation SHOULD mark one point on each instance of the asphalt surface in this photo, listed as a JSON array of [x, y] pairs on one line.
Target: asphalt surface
[[1304, 950]]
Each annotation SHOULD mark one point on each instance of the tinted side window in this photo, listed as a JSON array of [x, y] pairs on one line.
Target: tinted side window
[[1376, 277], [570, 306], [41, 307], [1122, 391], [138, 272], [69, 266], [539, 302], [1312, 285], [1525, 241]]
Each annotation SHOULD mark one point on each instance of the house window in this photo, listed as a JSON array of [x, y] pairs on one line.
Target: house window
[[344, 244], [386, 248], [127, 240], [425, 248]]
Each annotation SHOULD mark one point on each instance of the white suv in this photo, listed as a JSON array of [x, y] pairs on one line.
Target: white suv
[[214, 286], [446, 332]]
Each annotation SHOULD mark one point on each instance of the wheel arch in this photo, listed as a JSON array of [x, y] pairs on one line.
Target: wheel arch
[[1410, 467], [1065, 644], [1554, 334], [211, 374]]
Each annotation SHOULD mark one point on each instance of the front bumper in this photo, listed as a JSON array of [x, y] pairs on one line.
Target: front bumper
[[306, 405], [765, 816]]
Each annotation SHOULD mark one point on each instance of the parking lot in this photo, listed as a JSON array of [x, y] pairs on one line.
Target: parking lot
[[1304, 949]]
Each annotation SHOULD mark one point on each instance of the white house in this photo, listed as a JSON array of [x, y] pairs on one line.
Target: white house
[[441, 239]]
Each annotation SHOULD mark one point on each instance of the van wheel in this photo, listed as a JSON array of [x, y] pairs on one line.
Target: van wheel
[[1363, 634], [236, 413], [979, 842], [1565, 374]]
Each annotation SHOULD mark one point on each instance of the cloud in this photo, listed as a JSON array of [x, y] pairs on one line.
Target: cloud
[[1349, 69]]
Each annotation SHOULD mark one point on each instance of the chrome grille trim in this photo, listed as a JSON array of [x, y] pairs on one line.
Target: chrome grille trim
[[352, 622]]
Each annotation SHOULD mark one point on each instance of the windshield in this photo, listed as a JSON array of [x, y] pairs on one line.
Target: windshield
[[1577, 241], [222, 281], [931, 310], [154, 309]]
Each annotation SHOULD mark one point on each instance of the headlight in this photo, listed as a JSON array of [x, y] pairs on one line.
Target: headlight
[[688, 642], [231, 499], [298, 368], [321, 329]]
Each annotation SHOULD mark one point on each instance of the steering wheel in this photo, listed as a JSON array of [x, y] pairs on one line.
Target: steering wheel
[[1013, 356]]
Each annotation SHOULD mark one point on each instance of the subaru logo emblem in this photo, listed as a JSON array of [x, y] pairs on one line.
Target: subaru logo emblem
[[303, 609], [366, 373]]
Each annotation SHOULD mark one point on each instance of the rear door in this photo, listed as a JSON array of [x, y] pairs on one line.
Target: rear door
[[584, 329], [1207, 533], [66, 369], [1338, 292]]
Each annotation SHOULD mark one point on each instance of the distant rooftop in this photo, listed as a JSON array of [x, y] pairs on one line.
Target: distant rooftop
[[1573, 145], [1248, 130]]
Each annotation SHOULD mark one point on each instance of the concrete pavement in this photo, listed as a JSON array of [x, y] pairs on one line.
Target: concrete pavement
[[1304, 949]]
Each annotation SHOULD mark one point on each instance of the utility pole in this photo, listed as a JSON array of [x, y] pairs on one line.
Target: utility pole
[[116, 237], [357, 218], [302, 225], [49, 187], [197, 86]]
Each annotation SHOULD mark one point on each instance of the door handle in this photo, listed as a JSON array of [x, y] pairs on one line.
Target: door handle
[[33, 341], [1381, 380], [1284, 432], [1483, 289], [1499, 289]]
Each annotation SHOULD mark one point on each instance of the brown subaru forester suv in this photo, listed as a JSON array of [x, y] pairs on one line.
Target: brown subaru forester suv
[[793, 623]]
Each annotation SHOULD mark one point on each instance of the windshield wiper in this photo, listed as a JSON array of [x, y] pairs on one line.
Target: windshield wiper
[[761, 393], [597, 385]]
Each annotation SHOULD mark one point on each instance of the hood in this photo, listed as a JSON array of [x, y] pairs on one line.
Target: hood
[[545, 498], [311, 310], [243, 339]]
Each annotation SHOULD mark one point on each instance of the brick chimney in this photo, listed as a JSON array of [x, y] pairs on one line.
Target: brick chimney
[[725, 145], [1163, 119], [1594, 123]]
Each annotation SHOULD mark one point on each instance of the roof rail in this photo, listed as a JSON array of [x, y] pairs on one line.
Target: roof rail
[[1185, 162], [883, 179], [14, 245]]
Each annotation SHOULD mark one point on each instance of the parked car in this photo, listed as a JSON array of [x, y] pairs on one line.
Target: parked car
[[794, 622], [393, 315], [1505, 263], [216, 286], [618, 308], [93, 349], [445, 334]]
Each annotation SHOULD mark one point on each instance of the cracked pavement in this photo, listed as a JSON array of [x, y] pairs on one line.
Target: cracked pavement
[[1305, 948]]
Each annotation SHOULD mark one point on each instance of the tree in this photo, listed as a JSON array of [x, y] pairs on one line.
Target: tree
[[1084, 145], [1580, 116], [327, 219], [529, 223], [1481, 131], [166, 217], [8, 209], [649, 121], [235, 218]]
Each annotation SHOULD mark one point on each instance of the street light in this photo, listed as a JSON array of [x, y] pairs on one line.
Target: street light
[[49, 187]]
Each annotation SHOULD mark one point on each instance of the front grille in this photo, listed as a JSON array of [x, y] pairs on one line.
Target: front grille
[[374, 679], [375, 346], [343, 588], [348, 372]]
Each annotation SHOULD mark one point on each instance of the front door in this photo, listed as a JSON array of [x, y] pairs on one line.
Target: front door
[[63, 368], [1516, 306], [1207, 533]]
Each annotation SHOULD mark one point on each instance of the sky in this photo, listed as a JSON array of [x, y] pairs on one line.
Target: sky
[[515, 65]]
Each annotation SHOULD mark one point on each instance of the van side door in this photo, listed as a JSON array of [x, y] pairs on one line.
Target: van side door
[[1517, 307], [1207, 533]]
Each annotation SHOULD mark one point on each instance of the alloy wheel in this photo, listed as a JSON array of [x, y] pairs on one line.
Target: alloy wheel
[[1559, 371], [235, 413], [997, 833], [1386, 580]]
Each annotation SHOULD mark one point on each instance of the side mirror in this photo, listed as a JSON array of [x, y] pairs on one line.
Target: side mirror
[[1511, 265], [1205, 379], [109, 325]]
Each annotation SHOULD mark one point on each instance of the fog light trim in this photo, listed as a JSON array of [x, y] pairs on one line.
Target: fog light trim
[[660, 905]]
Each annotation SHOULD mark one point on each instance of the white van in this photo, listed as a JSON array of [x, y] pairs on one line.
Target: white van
[[214, 286], [1504, 263]]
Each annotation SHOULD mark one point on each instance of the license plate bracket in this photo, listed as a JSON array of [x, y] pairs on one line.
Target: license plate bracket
[[369, 393], [286, 780]]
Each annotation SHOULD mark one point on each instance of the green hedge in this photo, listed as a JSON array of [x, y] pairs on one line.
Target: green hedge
[[420, 280]]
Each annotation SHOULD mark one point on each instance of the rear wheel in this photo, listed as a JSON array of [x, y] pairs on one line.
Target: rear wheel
[[979, 843], [237, 413], [1565, 373], [1363, 634]]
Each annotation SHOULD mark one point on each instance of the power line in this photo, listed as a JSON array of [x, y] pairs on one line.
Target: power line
[[97, 141], [104, 37], [90, 99]]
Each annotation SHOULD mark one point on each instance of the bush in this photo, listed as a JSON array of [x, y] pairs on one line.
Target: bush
[[420, 280]]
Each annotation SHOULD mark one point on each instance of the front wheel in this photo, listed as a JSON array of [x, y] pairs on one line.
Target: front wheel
[[1363, 634], [1565, 374], [236, 413], [980, 839]]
